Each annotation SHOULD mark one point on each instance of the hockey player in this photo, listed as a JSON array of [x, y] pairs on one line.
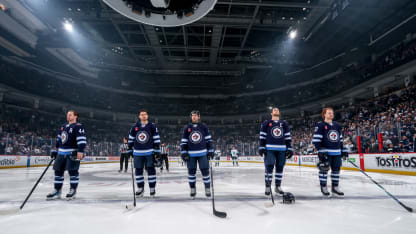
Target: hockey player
[[275, 146], [196, 147], [327, 139], [234, 156], [144, 140], [70, 143], [217, 154]]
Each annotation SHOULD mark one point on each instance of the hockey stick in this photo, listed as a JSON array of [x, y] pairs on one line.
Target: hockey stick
[[375, 182], [15, 210], [271, 193], [36, 184], [134, 187], [217, 213]]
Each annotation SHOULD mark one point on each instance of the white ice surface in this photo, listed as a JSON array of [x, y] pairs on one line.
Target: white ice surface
[[103, 194]]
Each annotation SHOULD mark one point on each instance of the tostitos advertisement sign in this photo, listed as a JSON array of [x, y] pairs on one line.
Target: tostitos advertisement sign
[[392, 162]]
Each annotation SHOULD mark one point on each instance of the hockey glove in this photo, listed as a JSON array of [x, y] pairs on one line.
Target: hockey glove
[[344, 155], [156, 155], [157, 162], [185, 157], [289, 154], [323, 156], [262, 151], [210, 155], [323, 164], [74, 156], [54, 154]]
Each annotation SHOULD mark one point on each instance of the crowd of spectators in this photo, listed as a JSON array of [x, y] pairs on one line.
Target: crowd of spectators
[[391, 115], [26, 130]]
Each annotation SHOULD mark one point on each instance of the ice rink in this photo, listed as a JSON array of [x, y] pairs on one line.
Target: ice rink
[[103, 194]]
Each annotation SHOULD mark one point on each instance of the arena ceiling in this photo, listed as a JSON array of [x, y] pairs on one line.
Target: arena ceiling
[[236, 36]]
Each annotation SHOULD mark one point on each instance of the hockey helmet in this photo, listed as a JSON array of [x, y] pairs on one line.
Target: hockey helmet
[[323, 166], [288, 198]]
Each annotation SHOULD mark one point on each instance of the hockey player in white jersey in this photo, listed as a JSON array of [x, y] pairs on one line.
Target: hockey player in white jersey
[[234, 156], [217, 154]]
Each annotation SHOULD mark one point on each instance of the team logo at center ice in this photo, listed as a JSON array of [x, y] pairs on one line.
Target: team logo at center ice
[[142, 137], [277, 132], [195, 137], [64, 137], [333, 136]]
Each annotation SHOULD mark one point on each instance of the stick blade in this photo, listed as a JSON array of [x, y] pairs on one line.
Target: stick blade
[[268, 204], [409, 209], [130, 207], [9, 211], [220, 214]]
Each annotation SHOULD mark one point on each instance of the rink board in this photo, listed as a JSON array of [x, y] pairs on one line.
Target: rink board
[[395, 163]]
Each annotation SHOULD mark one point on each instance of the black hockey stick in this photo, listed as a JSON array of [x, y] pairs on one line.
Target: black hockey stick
[[36, 184], [216, 212], [271, 194], [271, 191], [375, 182], [133, 180]]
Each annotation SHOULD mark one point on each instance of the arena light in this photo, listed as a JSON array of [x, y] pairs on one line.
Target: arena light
[[293, 34], [68, 26]]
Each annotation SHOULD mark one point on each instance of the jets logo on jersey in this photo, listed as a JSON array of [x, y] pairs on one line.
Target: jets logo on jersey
[[333, 136], [142, 137], [64, 137], [195, 137], [277, 132]]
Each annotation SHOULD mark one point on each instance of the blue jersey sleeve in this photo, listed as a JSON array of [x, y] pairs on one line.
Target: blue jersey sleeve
[[132, 133], [208, 139], [263, 135], [156, 138], [58, 139], [318, 136], [288, 137], [341, 139], [81, 137], [184, 140]]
